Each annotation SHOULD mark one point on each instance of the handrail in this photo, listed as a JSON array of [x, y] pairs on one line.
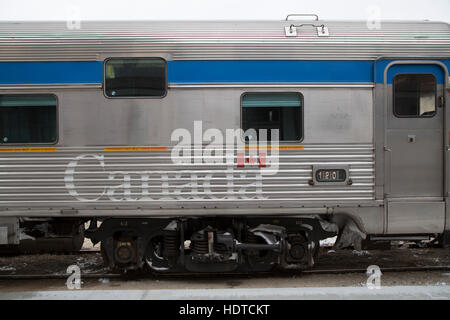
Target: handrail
[[302, 15]]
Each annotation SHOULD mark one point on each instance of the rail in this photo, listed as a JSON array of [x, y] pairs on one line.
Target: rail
[[175, 275]]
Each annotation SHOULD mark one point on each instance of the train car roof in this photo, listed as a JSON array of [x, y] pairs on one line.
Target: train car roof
[[222, 40]]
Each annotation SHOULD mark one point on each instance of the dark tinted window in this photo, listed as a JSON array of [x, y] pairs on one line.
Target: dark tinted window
[[281, 111], [414, 95], [27, 119], [135, 77]]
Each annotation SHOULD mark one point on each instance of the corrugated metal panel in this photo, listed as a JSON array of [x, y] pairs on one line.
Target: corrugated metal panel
[[183, 40], [151, 180]]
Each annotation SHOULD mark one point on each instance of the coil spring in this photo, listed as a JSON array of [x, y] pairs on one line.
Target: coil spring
[[251, 238], [171, 243], [199, 245], [220, 248]]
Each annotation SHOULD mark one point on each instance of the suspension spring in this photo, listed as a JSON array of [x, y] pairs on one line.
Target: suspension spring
[[220, 248], [251, 238], [199, 244], [171, 243]]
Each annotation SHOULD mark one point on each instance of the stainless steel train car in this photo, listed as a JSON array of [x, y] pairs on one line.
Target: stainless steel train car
[[223, 145]]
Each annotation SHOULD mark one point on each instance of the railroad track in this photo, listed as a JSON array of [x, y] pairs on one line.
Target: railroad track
[[86, 252], [205, 275]]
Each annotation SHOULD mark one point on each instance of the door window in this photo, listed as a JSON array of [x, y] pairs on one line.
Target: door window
[[415, 95]]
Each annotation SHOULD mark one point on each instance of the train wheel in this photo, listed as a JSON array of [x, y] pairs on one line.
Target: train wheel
[[154, 257]]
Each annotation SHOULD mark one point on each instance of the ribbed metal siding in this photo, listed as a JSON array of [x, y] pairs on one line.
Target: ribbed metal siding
[[37, 179], [221, 40]]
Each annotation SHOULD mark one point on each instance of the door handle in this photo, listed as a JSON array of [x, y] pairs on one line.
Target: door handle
[[441, 101], [387, 172]]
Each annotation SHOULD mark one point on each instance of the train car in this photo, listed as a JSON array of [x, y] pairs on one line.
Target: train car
[[224, 146]]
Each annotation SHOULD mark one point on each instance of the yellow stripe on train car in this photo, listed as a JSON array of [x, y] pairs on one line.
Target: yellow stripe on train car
[[28, 149], [136, 149]]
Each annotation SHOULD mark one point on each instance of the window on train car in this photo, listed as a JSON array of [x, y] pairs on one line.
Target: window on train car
[[135, 77], [28, 119], [415, 95], [281, 110]]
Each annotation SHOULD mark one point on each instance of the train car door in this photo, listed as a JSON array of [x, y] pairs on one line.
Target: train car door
[[414, 147]]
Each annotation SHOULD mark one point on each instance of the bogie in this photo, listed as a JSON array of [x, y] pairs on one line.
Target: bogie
[[210, 244]]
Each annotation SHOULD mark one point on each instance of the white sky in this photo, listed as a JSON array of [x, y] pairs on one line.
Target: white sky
[[437, 10]]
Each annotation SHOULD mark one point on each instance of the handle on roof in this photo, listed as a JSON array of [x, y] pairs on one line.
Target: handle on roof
[[303, 15]]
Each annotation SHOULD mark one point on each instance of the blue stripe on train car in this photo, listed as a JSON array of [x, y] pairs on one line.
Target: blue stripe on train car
[[410, 68], [216, 71], [262, 71], [266, 71], [54, 72]]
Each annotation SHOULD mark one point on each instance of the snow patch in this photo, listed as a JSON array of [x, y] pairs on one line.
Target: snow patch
[[350, 236], [361, 252], [7, 268], [24, 236], [329, 242]]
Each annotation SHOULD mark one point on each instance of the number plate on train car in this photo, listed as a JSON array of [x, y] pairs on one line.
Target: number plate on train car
[[330, 175]]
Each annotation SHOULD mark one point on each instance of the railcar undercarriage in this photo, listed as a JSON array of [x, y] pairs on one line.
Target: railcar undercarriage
[[46, 235], [209, 244]]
